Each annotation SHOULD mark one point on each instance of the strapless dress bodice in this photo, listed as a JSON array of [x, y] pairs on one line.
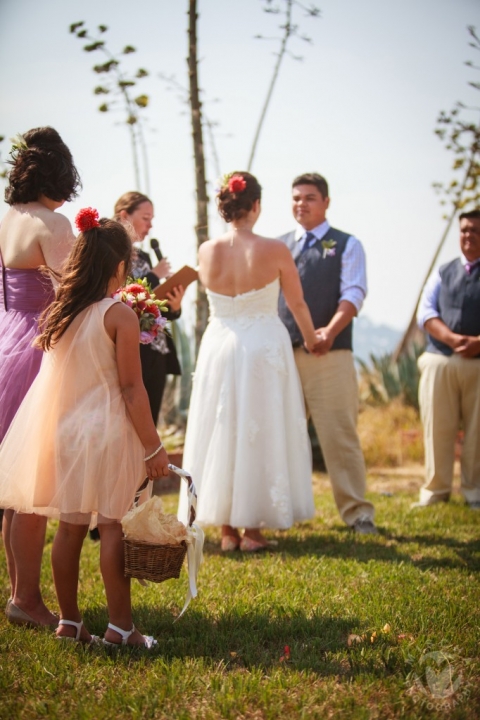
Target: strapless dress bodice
[[252, 304], [23, 290]]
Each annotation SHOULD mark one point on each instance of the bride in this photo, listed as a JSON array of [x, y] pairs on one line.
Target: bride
[[247, 446]]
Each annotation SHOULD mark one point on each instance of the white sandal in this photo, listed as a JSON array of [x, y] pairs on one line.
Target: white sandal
[[149, 643], [78, 626]]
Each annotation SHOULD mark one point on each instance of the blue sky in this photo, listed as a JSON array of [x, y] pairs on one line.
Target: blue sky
[[360, 109]]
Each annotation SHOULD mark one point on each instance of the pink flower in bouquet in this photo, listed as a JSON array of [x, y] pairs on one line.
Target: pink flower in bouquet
[[138, 295]]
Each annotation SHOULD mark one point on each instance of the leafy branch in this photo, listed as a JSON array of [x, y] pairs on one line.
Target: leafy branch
[[461, 135], [118, 85], [289, 30]]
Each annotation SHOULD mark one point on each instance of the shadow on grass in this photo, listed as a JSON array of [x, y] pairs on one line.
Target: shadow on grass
[[239, 640], [344, 544]]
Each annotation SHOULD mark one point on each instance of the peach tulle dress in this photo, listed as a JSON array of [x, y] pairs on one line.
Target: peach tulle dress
[[71, 451]]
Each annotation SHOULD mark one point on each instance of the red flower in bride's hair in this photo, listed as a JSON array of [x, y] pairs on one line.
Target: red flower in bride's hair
[[87, 218], [237, 184]]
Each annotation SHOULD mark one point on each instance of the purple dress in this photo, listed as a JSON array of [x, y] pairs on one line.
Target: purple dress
[[24, 294]]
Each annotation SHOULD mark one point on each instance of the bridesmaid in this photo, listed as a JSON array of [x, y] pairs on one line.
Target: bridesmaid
[[32, 235]]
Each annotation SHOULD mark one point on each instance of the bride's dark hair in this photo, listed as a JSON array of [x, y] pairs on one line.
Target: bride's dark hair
[[234, 204]]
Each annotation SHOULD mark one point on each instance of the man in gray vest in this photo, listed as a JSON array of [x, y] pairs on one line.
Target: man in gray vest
[[331, 265], [449, 391]]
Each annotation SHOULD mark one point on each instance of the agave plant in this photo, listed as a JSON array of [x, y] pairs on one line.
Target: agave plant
[[387, 378]]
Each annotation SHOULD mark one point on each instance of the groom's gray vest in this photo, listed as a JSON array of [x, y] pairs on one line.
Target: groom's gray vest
[[320, 276]]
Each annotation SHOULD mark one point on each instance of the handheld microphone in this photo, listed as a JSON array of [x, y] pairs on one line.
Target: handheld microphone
[[155, 245]]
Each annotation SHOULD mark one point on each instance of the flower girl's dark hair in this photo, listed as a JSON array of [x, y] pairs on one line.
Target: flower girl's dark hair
[[86, 274]]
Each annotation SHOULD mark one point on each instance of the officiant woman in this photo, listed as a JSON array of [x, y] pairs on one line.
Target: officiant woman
[[159, 359]]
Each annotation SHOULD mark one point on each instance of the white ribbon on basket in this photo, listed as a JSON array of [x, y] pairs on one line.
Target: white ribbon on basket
[[196, 537]]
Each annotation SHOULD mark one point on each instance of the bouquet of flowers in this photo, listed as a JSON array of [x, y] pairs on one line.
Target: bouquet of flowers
[[138, 295]]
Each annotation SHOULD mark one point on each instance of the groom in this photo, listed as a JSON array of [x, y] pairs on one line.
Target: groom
[[331, 265]]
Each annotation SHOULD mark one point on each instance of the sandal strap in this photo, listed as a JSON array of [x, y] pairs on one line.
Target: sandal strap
[[77, 625], [125, 634]]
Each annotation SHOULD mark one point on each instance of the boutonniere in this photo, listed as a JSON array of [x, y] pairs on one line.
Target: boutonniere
[[328, 247]]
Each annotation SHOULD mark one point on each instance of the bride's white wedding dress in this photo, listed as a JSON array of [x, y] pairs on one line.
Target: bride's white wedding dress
[[247, 445]]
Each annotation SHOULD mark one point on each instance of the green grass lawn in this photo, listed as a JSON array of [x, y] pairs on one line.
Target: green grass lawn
[[383, 626]]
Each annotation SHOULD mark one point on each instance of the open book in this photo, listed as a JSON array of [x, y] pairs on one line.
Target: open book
[[184, 277]]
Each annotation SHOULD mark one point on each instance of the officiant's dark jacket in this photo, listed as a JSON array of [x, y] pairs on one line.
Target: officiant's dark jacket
[[172, 362]]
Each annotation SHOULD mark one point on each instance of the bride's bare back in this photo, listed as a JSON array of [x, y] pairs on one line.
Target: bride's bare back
[[240, 261]]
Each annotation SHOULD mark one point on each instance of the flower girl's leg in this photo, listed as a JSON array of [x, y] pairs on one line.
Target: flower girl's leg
[[6, 527], [66, 550], [117, 586]]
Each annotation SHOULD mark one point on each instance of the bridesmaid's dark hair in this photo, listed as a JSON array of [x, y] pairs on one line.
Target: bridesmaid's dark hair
[[86, 274], [235, 205], [41, 165]]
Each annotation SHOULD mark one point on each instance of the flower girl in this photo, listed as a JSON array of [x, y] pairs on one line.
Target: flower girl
[[83, 440]]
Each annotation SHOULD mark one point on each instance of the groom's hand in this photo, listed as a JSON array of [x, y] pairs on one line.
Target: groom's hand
[[324, 342]]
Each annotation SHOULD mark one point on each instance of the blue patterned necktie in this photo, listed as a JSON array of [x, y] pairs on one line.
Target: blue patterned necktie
[[309, 239]]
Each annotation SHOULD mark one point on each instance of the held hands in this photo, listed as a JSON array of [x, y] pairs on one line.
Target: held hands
[[324, 342], [157, 467], [162, 269], [175, 298]]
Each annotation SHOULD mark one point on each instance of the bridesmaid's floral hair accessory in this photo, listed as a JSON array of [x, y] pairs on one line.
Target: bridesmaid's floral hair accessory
[[18, 145], [87, 219]]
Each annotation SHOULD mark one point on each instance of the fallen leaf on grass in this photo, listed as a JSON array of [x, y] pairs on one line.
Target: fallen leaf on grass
[[286, 655], [353, 639]]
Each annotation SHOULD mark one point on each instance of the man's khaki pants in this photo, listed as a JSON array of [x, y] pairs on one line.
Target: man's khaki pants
[[330, 387], [449, 394]]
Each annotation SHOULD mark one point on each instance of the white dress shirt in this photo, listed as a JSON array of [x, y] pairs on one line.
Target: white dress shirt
[[428, 305], [353, 274]]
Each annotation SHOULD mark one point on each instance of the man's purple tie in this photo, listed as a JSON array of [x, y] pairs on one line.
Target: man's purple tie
[[308, 240], [469, 266]]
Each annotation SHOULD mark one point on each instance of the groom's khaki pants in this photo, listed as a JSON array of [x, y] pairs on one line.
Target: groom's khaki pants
[[330, 388]]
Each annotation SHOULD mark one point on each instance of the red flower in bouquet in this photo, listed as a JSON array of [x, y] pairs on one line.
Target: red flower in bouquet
[[138, 295], [237, 184], [87, 219]]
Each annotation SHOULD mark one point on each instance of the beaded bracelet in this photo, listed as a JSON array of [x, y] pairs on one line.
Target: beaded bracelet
[[149, 457]]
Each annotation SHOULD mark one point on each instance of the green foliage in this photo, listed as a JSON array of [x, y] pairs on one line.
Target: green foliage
[[118, 84], [459, 130], [387, 379], [360, 616]]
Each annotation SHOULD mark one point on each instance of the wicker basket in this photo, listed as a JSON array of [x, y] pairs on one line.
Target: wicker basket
[[157, 563], [153, 562]]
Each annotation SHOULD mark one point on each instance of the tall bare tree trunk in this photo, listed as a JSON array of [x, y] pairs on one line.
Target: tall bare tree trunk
[[201, 227]]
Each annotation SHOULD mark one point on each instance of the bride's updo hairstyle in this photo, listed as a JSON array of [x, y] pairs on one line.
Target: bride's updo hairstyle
[[41, 165], [239, 191]]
